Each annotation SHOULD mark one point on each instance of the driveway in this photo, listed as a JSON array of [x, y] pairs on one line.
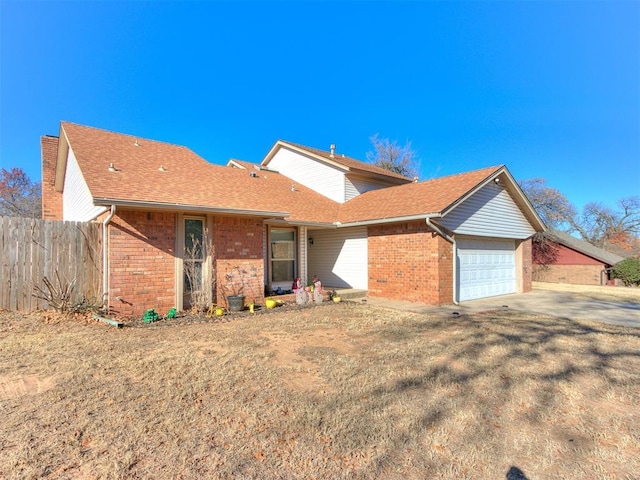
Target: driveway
[[543, 302], [562, 304]]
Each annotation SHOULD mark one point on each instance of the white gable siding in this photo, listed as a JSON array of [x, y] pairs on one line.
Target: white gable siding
[[77, 202], [490, 212], [339, 257], [362, 185], [313, 174]]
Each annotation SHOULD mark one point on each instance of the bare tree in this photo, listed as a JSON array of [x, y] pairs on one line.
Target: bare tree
[[19, 196], [553, 207], [614, 229], [393, 157], [611, 228]]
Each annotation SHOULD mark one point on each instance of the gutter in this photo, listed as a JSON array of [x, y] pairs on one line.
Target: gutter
[[105, 255], [186, 208], [407, 218], [451, 239]]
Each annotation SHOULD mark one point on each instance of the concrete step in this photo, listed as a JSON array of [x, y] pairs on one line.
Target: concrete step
[[349, 293]]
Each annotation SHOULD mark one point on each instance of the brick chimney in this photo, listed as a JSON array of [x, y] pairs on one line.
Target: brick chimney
[[51, 200]]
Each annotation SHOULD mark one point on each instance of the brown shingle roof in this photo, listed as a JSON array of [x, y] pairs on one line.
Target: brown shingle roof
[[421, 198], [188, 179], [347, 162]]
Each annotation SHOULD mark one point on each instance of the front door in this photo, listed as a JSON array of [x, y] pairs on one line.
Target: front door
[[194, 256], [282, 268]]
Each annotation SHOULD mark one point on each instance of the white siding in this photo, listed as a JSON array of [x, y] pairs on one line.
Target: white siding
[[357, 186], [486, 268], [339, 257], [77, 202], [490, 212], [313, 174]]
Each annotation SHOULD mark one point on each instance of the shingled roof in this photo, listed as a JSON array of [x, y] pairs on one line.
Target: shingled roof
[[154, 174], [151, 173], [347, 163]]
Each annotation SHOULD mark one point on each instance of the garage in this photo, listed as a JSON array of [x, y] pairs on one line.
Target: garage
[[486, 267]]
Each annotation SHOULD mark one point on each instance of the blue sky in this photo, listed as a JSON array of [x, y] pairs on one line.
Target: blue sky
[[549, 88]]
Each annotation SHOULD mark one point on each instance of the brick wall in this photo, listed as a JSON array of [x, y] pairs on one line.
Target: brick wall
[[525, 251], [142, 262], [577, 274], [238, 244], [51, 200], [409, 262]]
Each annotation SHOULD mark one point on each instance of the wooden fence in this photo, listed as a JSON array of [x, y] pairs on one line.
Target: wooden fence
[[32, 249]]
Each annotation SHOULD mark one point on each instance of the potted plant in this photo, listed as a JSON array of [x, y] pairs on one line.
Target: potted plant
[[235, 282]]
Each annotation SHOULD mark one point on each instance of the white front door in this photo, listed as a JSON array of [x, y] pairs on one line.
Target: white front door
[[486, 267]]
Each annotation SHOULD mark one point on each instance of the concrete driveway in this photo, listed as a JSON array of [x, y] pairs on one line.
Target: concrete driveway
[[562, 304], [542, 302]]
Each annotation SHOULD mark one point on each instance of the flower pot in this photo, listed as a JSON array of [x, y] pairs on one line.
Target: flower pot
[[236, 302], [270, 303], [337, 299], [219, 311]]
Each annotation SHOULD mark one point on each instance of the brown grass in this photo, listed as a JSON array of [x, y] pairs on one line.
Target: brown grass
[[335, 391]]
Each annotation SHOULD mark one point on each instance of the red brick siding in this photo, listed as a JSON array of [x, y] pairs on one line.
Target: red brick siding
[[409, 262], [238, 242], [577, 274], [142, 262], [51, 200], [525, 249]]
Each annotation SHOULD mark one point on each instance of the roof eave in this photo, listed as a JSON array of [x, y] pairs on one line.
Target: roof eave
[[513, 188], [279, 144], [61, 162], [138, 204]]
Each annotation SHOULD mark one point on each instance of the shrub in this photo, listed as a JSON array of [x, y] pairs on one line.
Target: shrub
[[628, 270]]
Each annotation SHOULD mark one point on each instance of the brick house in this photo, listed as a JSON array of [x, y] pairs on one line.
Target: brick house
[[300, 212], [576, 262]]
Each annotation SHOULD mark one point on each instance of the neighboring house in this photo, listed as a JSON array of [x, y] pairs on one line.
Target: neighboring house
[[576, 261], [300, 212]]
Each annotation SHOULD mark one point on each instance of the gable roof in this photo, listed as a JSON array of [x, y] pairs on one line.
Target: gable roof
[[347, 164], [186, 180], [157, 175], [585, 247], [432, 198]]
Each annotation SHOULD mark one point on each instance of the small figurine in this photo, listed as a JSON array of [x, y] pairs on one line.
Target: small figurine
[[317, 289]]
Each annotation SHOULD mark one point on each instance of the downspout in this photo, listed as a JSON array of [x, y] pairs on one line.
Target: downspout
[[105, 257], [451, 239]]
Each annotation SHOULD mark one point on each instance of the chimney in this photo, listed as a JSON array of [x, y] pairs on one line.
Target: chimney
[[51, 200], [333, 150]]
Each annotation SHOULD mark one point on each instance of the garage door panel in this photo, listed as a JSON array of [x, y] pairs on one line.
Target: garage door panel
[[485, 268]]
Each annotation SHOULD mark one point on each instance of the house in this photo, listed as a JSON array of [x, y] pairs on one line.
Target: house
[[576, 261], [299, 212]]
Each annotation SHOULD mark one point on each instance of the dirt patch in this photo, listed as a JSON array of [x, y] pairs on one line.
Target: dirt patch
[[15, 387], [300, 355]]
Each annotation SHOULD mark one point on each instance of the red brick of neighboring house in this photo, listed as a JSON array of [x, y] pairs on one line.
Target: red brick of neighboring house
[[572, 267]]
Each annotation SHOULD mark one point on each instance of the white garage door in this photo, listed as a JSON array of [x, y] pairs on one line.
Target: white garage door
[[485, 268]]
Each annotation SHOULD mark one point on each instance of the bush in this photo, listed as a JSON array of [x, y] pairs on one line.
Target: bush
[[628, 270]]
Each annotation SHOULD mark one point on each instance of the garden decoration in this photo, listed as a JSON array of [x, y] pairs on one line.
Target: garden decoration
[[301, 293], [317, 289], [171, 313], [151, 316], [270, 303]]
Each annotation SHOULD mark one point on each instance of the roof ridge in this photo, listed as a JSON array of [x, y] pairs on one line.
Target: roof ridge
[[337, 157], [137, 137]]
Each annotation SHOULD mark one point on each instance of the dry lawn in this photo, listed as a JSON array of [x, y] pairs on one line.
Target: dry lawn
[[335, 391]]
